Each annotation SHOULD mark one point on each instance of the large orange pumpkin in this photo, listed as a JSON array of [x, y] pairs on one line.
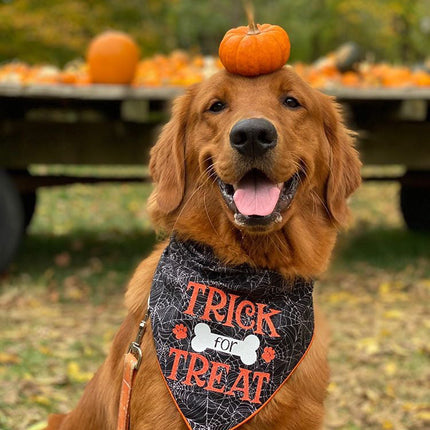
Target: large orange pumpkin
[[112, 58], [255, 49]]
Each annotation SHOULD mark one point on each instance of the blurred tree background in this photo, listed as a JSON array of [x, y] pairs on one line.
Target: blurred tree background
[[57, 31]]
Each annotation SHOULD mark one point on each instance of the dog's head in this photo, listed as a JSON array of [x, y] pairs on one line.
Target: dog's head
[[255, 160]]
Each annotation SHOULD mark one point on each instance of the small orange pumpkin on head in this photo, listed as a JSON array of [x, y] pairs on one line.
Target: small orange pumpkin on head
[[254, 49]]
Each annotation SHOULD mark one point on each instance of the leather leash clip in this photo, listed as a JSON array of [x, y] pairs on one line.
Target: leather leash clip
[[134, 347], [132, 361]]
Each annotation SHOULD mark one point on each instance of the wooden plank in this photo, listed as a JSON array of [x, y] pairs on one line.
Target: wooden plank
[[90, 92], [111, 142], [406, 143], [115, 142], [124, 92], [407, 93], [29, 183]]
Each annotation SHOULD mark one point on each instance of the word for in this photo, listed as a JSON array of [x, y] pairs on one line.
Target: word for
[[245, 349]]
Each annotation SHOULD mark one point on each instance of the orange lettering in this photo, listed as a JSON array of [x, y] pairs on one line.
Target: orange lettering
[[211, 307], [178, 355], [195, 373], [261, 316], [216, 377], [261, 377], [228, 321], [196, 289], [249, 311], [243, 376]]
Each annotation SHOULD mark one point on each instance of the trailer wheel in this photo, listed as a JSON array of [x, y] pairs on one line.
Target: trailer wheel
[[22, 179], [28, 201], [415, 200], [11, 220]]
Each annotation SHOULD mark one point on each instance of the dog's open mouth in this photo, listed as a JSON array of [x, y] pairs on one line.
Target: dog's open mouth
[[256, 201]]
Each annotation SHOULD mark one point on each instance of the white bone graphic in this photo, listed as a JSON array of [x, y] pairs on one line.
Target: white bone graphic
[[245, 349]]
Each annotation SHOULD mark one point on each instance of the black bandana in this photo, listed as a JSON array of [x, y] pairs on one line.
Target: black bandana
[[227, 338]]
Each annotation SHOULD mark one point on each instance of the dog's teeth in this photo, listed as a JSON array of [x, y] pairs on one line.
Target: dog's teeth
[[238, 221], [278, 218]]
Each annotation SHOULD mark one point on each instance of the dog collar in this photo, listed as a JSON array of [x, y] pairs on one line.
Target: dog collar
[[227, 338]]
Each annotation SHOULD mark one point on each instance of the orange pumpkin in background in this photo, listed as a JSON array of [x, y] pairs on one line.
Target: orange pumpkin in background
[[255, 49], [112, 58]]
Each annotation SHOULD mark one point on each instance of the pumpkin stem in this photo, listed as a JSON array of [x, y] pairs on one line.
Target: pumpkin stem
[[249, 10]]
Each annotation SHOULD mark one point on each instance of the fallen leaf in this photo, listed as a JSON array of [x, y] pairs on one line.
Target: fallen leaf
[[41, 400], [423, 416], [386, 424], [75, 374], [394, 314], [38, 426], [63, 259], [389, 391], [369, 345], [390, 368], [6, 358]]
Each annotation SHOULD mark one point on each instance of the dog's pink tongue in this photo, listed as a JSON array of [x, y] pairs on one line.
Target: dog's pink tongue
[[256, 196]]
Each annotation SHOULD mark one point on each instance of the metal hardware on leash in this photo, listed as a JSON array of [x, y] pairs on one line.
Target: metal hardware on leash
[[132, 360], [134, 347]]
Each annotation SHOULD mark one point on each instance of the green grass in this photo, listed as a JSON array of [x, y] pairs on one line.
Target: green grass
[[385, 248], [96, 233], [378, 237]]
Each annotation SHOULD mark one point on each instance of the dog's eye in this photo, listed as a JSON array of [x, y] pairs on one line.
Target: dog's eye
[[217, 106], [291, 102]]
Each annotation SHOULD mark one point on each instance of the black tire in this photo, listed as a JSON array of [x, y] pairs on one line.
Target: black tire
[[28, 197], [28, 201], [415, 200], [11, 220]]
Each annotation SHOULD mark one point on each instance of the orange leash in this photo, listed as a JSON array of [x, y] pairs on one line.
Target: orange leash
[[132, 361]]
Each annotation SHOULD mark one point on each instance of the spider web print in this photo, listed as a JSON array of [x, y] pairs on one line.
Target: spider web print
[[263, 319]]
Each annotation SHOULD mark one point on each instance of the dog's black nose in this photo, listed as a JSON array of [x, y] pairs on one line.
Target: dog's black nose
[[253, 137]]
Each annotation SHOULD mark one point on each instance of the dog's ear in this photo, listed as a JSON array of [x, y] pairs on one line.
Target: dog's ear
[[344, 164], [167, 157]]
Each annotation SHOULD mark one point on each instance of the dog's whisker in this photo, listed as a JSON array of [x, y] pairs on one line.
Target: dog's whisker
[[207, 176], [209, 218], [273, 239], [324, 204], [184, 206]]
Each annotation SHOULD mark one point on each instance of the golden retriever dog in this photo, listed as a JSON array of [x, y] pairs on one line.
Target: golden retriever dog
[[283, 140]]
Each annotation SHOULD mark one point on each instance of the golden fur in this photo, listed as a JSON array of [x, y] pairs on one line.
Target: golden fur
[[193, 148]]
